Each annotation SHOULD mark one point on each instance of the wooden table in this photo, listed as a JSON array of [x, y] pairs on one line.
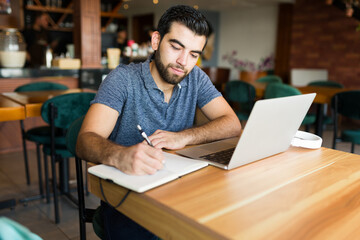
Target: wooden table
[[323, 96], [298, 194], [10, 110], [32, 101]]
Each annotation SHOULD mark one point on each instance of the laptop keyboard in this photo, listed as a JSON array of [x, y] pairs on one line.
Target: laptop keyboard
[[222, 157]]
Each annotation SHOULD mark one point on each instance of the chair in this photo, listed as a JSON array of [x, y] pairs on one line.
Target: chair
[[346, 104], [85, 214], [218, 76], [323, 83], [243, 94], [326, 84], [9, 229], [269, 79], [59, 112], [275, 90], [38, 135]]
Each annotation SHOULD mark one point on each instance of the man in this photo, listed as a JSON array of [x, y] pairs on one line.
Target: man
[[161, 95], [121, 39]]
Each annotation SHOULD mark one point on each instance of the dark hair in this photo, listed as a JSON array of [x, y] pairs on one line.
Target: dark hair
[[189, 16]]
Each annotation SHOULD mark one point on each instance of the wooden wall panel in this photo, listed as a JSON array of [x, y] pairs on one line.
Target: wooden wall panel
[[283, 42], [87, 32], [9, 84], [16, 18]]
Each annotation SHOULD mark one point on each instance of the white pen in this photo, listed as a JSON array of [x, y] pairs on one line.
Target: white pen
[[143, 134]]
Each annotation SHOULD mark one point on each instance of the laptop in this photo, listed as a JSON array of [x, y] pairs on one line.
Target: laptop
[[271, 126]]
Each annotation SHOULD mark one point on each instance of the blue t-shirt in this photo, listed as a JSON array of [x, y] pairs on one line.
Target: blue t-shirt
[[131, 90]]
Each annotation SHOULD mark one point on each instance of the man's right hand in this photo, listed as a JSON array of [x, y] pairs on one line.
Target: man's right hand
[[139, 159]]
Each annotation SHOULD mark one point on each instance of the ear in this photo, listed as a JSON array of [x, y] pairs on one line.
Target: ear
[[155, 40]]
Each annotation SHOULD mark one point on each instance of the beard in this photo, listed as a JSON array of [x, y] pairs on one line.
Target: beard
[[164, 70]]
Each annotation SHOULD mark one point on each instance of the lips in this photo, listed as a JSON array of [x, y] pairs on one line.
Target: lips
[[177, 71]]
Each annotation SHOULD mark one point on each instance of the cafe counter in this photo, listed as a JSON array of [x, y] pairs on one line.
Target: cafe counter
[[11, 78]]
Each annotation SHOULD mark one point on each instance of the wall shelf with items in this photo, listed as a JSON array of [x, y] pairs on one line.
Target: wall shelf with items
[[109, 12], [60, 18]]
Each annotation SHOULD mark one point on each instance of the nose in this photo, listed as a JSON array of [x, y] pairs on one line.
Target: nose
[[182, 58]]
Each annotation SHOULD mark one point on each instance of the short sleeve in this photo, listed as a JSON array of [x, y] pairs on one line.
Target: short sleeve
[[206, 89], [113, 90]]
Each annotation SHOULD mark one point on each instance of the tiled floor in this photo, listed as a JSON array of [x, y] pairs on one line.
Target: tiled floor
[[39, 216]]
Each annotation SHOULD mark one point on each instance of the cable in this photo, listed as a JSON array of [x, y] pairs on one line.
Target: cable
[[105, 199]]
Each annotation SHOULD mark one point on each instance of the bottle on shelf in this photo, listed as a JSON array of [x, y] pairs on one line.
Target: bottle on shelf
[[48, 57]]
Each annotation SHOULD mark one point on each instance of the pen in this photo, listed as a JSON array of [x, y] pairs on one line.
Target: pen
[[143, 134]]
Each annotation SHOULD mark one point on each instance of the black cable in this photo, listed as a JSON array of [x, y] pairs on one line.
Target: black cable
[[103, 194]]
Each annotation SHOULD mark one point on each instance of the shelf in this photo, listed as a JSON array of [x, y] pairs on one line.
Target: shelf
[[49, 9], [112, 15], [60, 29], [55, 21]]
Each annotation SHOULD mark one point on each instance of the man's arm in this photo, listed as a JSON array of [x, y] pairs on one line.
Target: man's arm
[[93, 145], [223, 124]]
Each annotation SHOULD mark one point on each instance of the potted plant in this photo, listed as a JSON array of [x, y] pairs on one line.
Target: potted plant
[[250, 71]]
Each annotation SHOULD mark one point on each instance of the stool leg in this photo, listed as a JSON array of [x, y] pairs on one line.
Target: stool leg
[[25, 152], [80, 189], [56, 203], [86, 180], [46, 179], [41, 190]]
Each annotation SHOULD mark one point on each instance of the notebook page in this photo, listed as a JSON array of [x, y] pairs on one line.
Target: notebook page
[[175, 166]]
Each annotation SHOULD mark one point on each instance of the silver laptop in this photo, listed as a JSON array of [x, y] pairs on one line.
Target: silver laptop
[[269, 130]]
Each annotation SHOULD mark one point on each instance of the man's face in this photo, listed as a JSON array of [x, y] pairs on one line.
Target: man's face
[[121, 36], [177, 53]]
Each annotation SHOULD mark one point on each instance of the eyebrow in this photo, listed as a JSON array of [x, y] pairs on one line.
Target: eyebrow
[[183, 46]]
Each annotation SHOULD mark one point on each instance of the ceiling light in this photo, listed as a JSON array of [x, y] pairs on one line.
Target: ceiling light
[[155, 1], [196, 7], [126, 6]]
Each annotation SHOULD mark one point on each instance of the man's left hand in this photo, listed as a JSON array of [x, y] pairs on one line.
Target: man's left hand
[[168, 140]]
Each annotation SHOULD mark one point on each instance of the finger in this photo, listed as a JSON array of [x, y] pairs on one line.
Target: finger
[[157, 134], [143, 166], [160, 144], [153, 157], [146, 170], [144, 142], [150, 166]]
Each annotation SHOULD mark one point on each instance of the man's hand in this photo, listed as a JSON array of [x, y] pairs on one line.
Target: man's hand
[[168, 140], [140, 159]]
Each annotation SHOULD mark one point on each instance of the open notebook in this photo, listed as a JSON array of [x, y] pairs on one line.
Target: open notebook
[[175, 167]]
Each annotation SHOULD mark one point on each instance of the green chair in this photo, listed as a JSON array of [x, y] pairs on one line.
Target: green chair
[[241, 94], [269, 79], [59, 112], [38, 135], [85, 214], [346, 104], [275, 90], [326, 84]]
